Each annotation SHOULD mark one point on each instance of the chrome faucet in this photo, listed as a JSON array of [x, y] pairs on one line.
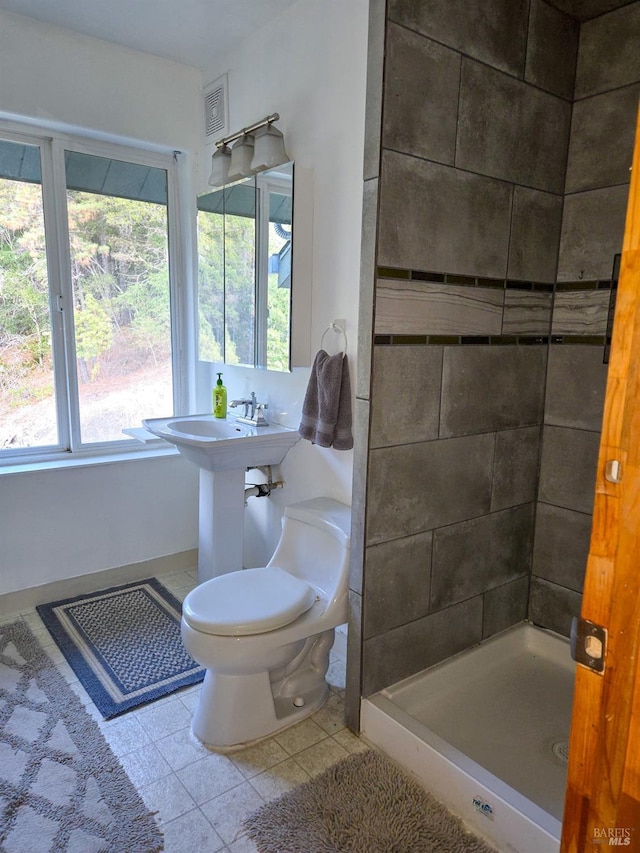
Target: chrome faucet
[[249, 405], [253, 411]]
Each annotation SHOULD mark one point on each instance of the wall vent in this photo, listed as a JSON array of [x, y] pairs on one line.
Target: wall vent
[[216, 109]]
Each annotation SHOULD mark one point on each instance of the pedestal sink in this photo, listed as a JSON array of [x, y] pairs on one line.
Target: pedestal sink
[[222, 449]]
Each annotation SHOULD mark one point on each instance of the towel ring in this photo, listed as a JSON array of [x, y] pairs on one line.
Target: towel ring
[[334, 327]]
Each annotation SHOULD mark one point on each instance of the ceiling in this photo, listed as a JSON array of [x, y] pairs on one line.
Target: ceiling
[[194, 31], [186, 31], [582, 10]]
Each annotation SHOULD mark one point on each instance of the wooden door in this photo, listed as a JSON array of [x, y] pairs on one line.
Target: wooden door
[[602, 807]]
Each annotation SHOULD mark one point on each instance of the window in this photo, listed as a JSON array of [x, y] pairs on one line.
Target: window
[[87, 331]]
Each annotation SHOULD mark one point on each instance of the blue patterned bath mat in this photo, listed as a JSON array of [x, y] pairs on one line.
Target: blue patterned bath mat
[[123, 644]]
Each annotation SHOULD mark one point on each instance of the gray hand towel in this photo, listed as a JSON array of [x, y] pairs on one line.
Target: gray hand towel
[[343, 438], [326, 411]]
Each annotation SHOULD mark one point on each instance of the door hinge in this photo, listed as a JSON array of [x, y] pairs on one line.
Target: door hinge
[[588, 644]]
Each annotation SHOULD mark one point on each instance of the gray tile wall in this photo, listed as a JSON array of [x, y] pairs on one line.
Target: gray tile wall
[[473, 557], [421, 96], [576, 380], [453, 467], [473, 151], [608, 57], [417, 487], [551, 50], [511, 130], [467, 514], [491, 388], [592, 230], [535, 228], [601, 144], [362, 413], [494, 32], [600, 150], [442, 219]]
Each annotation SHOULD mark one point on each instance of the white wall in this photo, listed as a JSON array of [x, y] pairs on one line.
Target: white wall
[[57, 524], [308, 65], [51, 74], [60, 524]]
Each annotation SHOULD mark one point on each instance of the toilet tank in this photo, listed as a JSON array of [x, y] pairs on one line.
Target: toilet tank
[[314, 544]]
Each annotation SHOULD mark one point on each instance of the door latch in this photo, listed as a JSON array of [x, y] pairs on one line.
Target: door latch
[[613, 471], [588, 644]]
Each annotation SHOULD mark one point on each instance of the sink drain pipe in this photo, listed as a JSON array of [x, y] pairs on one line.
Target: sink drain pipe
[[262, 490]]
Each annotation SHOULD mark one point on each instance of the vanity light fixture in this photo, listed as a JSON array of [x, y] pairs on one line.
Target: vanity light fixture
[[241, 157], [220, 163], [269, 150], [255, 148]]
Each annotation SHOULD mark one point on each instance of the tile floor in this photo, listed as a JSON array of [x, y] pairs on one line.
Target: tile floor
[[201, 797]]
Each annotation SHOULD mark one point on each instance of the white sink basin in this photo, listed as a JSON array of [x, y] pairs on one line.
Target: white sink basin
[[217, 444], [206, 427]]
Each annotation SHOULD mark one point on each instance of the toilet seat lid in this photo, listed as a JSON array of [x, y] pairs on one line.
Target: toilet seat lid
[[250, 601]]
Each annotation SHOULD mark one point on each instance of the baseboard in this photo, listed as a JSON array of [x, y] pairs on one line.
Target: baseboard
[[27, 599]]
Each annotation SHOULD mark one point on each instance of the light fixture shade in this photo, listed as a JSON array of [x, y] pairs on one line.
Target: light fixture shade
[[220, 163], [241, 157], [269, 149]]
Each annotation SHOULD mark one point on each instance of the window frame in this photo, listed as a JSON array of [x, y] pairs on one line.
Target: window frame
[[52, 145]]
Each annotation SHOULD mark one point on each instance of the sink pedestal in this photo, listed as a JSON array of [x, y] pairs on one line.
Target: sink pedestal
[[221, 522], [223, 450]]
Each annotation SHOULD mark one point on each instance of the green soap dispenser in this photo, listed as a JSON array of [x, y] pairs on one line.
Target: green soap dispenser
[[219, 399]]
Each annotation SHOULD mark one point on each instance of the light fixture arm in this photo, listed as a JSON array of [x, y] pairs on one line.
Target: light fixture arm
[[221, 143]]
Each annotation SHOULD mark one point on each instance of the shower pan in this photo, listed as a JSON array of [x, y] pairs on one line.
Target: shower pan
[[487, 733]]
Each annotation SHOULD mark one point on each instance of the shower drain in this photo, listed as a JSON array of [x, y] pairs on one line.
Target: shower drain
[[561, 750]]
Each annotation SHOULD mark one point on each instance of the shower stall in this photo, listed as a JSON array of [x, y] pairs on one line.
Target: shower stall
[[499, 139], [487, 733]]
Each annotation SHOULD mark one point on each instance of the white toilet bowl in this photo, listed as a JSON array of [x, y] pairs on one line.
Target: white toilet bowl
[[264, 635]]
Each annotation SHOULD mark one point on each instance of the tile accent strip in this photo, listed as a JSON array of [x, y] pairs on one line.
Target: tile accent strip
[[568, 311], [465, 340], [583, 285], [484, 340], [470, 281]]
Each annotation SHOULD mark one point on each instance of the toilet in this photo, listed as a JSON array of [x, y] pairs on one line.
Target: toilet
[[264, 635]]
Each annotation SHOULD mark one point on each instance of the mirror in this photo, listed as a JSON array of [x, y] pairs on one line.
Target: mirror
[[245, 243]]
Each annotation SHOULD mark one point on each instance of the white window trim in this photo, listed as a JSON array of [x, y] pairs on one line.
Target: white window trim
[[52, 145]]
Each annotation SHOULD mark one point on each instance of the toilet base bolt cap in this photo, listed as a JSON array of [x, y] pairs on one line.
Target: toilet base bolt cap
[[298, 702]]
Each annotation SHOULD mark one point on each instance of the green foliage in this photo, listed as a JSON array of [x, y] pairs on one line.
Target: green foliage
[[226, 287], [239, 289], [227, 293], [93, 332], [210, 286], [119, 267], [24, 285], [208, 347], [278, 325]]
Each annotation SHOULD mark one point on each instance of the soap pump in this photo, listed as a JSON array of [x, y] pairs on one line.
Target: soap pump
[[219, 399]]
